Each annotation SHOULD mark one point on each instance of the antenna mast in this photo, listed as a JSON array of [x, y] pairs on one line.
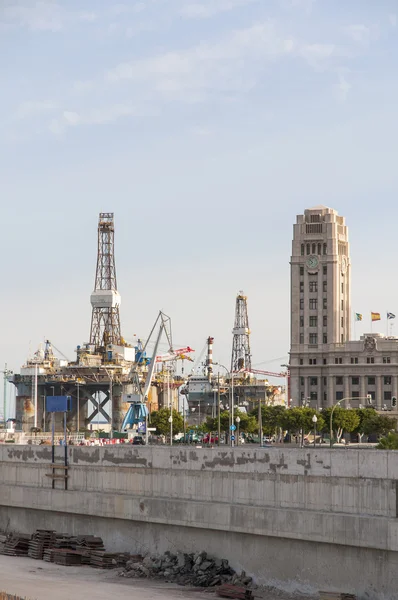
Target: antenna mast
[[241, 356], [105, 299]]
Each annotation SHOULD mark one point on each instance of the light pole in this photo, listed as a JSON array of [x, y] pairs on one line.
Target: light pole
[[78, 407], [237, 437], [314, 420], [219, 417], [171, 428], [287, 393]]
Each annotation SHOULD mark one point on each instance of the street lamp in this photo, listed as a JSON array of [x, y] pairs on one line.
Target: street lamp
[[237, 431], [218, 407], [287, 392], [171, 428], [314, 420]]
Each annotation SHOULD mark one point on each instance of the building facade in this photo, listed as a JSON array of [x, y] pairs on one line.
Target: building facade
[[325, 365]]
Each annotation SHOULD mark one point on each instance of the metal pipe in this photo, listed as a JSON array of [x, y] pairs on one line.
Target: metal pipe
[[218, 410], [35, 397]]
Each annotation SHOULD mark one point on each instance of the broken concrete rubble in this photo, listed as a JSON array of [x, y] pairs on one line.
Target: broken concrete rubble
[[196, 569]]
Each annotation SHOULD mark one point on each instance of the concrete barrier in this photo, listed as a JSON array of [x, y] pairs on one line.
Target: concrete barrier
[[303, 519]]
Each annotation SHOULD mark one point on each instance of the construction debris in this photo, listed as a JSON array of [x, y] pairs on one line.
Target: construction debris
[[16, 545], [227, 590], [199, 570], [41, 540]]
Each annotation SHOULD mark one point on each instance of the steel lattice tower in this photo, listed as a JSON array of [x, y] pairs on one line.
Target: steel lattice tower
[[105, 299], [241, 356]]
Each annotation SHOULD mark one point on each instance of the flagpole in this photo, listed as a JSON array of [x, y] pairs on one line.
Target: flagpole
[[387, 321], [355, 327], [371, 323]]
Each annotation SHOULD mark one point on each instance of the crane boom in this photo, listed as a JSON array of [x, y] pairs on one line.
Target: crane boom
[[268, 373]]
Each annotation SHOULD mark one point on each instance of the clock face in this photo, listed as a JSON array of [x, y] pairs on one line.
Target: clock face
[[312, 262], [344, 264]]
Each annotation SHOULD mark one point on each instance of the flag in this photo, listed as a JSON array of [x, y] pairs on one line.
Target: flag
[[358, 317], [375, 316], [390, 316]]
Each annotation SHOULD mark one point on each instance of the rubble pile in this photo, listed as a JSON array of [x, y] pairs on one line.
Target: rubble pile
[[198, 570]]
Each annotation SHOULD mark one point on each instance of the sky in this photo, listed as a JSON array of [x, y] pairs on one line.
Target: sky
[[206, 126]]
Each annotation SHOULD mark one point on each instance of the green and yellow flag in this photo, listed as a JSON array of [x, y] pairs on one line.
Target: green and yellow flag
[[358, 317]]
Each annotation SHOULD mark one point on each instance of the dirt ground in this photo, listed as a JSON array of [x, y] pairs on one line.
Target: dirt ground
[[38, 580]]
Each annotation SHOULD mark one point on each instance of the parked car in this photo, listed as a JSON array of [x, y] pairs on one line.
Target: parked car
[[138, 441]]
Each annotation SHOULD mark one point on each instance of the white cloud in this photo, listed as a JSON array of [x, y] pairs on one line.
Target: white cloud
[[234, 63], [393, 20], [362, 34], [101, 116], [209, 8], [342, 88], [37, 16], [30, 109]]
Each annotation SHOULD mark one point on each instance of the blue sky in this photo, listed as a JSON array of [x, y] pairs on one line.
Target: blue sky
[[205, 126]]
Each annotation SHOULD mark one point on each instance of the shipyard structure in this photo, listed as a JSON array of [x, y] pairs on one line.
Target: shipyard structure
[[114, 383], [108, 375]]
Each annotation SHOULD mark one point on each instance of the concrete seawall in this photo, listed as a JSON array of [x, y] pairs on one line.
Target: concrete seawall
[[306, 519]]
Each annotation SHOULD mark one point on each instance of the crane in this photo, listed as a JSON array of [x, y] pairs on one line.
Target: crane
[[267, 373], [138, 411], [175, 355]]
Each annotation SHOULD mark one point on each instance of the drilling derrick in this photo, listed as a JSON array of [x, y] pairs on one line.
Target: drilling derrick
[[105, 299], [241, 357]]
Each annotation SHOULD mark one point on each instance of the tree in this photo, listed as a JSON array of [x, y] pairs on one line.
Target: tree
[[299, 419], [247, 423], [389, 442], [379, 424], [272, 418], [344, 419], [365, 415], [160, 420]]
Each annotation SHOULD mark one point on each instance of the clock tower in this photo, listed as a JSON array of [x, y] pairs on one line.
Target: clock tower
[[320, 282]]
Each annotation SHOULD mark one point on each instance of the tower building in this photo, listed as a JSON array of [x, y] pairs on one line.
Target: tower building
[[326, 365]]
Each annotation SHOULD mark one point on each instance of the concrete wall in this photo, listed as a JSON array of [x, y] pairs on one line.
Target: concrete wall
[[306, 519]]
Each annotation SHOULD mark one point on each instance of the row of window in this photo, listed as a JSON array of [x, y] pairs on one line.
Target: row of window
[[354, 394], [313, 304], [313, 286], [314, 321], [338, 360], [354, 380], [313, 249]]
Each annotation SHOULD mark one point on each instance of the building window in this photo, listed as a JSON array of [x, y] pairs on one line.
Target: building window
[[325, 250], [387, 395], [339, 395], [354, 360], [301, 287], [301, 271], [301, 321], [302, 380], [313, 303], [342, 288], [372, 394], [371, 380], [313, 248], [386, 360], [342, 321], [302, 249], [338, 360], [355, 380], [325, 270], [342, 305], [342, 338], [324, 361], [313, 286], [387, 380], [301, 361], [301, 338], [355, 394], [325, 286], [325, 303], [325, 321], [312, 361], [315, 218], [308, 249], [319, 249], [313, 321], [301, 303], [325, 338], [370, 360], [313, 380], [339, 381], [314, 396], [313, 338], [324, 381]]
